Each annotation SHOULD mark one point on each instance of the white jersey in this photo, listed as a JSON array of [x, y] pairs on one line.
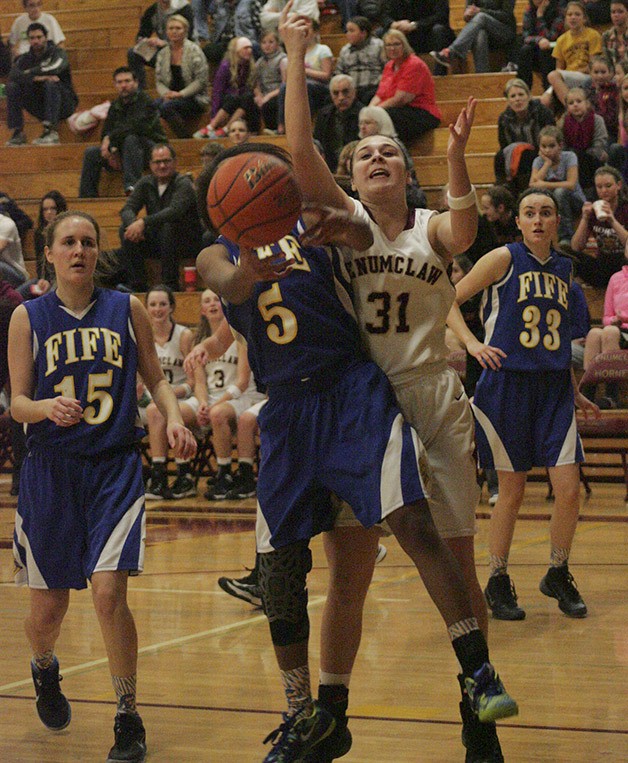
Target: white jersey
[[402, 296], [224, 371], [171, 358]]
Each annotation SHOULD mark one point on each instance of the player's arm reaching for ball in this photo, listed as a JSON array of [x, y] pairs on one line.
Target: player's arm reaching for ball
[[180, 439]]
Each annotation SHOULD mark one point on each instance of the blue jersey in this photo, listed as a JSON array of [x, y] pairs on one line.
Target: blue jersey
[[526, 314], [300, 325], [91, 357]]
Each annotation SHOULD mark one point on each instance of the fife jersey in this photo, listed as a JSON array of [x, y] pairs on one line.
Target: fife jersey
[[526, 314], [171, 358], [92, 357], [300, 325], [402, 295]]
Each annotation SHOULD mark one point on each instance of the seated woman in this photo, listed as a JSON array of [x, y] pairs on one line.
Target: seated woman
[[606, 221], [232, 91], [361, 58], [406, 89], [374, 120], [224, 389], [319, 66], [172, 342], [614, 334], [181, 78], [518, 130]]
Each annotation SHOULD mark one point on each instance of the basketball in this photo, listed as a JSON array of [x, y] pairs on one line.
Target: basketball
[[253, 199]]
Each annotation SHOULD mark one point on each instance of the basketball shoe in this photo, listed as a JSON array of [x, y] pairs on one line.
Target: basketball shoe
[[335, 699], [479, 739], [501, 597], [246, 588], [489, 699], [559, 584], [300, 735], [219, 490], [243, 484], [130, 739], [157, 487], [52, 707], [183, 486]]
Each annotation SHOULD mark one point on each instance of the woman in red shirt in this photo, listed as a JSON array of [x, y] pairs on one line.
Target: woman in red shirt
[[406, 89]]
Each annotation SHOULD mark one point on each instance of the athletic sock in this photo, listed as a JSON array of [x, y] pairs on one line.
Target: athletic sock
[[335, 698], [125, 689], [559, 557], [43, 660], [469, 645], [296, 685], [498, 565]]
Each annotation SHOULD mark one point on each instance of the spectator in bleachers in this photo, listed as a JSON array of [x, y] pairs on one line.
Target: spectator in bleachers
[[269, 16], [151, 36], [40, 82], [18, 36], [319, 64], [232, 91], [51, 205], [170, 230], [618, 152], [608, 227], [231, 18], [585, 134], [499, 206], [580, 319], [129, 132], [425, 24], [373, 120], [613, 336], [615, 39], [361, 58], [406, 89], [270, 73], [604, 94], [181, 77], [519, 128], [491, 25], [12, 267], [337, 123], [239, 132], [557, 170], [10, 207], [200, 10], [543, 23], [573, 52]]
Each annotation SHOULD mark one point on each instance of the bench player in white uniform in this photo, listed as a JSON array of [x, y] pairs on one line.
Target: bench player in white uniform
[[224, 389], [402, 297], [525, 411]]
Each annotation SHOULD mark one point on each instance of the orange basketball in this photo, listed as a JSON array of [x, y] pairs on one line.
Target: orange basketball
[[253, 199]]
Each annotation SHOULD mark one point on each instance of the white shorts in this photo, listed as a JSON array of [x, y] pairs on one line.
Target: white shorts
[[437, 407]]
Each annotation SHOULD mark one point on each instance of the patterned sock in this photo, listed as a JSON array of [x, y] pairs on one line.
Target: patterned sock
[[125, 689], [559, 557], [469, 645], [498, 565], [296, 684], [43, 660]]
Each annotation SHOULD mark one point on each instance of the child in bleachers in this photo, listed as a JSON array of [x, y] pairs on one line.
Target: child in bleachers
[[572, 52], [617, 152], [604, 94], [585, 134], [557, 170], [615, 39], [270, 72]]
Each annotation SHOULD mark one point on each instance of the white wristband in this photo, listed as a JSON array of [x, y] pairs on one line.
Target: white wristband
[[234, 391], [462, 202]]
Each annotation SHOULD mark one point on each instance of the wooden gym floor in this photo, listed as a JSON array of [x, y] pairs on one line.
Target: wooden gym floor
[[209, 689]]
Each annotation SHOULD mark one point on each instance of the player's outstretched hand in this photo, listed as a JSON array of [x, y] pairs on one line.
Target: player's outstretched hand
[[181, 440], [587, 406], [325, 225], [293, 31], [266, 269], [459, 133], [486, 356], [64, 411]]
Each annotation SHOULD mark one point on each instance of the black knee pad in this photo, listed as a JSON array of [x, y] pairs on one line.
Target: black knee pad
[[282, 578]]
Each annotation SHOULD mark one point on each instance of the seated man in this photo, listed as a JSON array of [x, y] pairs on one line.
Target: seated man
[[171, 228], [151, 36], [131, 129], [18, 36], [40, 82], [337, 124], [12, 267]]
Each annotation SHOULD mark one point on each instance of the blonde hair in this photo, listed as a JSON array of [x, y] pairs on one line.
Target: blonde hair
[[181, 19], [397, 35], [235, 61]]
